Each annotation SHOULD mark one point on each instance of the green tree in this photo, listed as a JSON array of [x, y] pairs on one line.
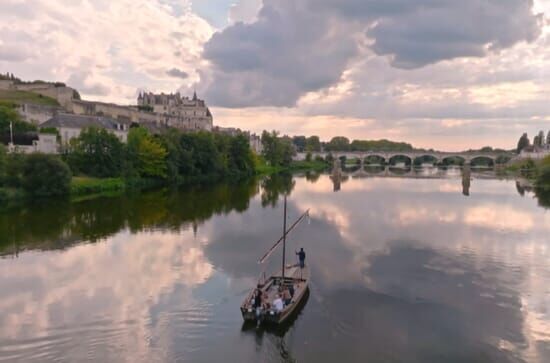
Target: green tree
[[146, 155], [3, 162], [523, 142], [548, 138], [277, 151], [96, 152], [313, 143], [45, 175], [241, 159], [9, 114], [271, 149], [300, 143], [171, 142], [339, 143]]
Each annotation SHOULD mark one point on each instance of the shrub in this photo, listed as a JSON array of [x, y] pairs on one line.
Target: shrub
[[45, 175], [3, 162]]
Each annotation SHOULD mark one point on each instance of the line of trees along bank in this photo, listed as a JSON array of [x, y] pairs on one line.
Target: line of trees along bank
[[341, 143], [173, 157]]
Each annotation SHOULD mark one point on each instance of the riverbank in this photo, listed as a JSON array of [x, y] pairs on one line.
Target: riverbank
[[263, 169], [537, 175]]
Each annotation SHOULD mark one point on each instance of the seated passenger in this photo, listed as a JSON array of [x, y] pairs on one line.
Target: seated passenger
[[278, 303], [286, 296]]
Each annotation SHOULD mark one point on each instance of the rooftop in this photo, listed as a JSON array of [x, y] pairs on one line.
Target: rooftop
[[82, 121]]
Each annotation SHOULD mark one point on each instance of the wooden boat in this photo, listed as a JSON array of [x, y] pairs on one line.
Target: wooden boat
[[292, 278]]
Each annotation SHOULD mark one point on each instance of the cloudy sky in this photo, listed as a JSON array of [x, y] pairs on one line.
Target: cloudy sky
[[437, 73]]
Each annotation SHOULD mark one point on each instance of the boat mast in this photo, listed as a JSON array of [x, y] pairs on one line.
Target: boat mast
[[284, 240]]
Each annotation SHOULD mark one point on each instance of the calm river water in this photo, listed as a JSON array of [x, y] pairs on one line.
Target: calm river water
[[404, 269]]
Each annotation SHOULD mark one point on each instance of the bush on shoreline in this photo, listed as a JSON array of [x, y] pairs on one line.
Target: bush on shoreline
[[45, 175]]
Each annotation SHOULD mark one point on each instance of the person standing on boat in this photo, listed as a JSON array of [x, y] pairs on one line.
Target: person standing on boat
[[302, 257], [258, 301]]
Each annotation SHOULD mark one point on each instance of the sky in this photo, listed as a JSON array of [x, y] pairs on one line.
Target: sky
[[441, 74]]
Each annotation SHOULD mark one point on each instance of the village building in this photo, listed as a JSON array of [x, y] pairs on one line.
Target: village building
[[70, 126], [34, 142]]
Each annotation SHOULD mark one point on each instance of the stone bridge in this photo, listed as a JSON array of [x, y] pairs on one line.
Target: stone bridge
[[437, 156]]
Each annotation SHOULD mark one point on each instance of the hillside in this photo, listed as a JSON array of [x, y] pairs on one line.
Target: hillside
[[19, 97]]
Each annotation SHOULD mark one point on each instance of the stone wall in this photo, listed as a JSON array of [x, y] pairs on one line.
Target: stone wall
[[37, 114], [64, 95], [6, 85]]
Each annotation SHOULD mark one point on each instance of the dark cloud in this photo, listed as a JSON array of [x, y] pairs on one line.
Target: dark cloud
[[451, 29], [178, 73], [297, 47], [288, 51]]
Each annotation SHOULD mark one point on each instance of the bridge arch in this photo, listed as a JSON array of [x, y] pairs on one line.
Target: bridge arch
[[477, 158], [453, 160], [421, 159], [393, 157], [375, 159]]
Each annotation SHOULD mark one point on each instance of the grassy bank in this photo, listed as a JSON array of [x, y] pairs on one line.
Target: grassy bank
[[303, 165], [262, 168], [85, 185], [20, 97]]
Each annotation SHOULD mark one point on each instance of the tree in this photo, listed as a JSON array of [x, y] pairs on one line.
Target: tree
[[240, 158], [146, 155], [548, 138], [271, 150], [536, 140], [313, 143], [170, 140], [523, 142], [339, 143], [96, 152], [277, 151], [300, 143], [541, 139], [3, 162], [9, 114], [45, 175]]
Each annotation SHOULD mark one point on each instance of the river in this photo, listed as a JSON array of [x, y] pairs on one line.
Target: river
[[430, 267]]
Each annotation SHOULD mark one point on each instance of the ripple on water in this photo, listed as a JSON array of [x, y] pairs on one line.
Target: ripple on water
[[57, 341]]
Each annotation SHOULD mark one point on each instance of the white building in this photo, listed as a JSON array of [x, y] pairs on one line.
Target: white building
[[70, 126], [44, 143], [256, 143]]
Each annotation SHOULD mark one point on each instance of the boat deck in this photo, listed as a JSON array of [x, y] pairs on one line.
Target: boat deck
[[294, 276]]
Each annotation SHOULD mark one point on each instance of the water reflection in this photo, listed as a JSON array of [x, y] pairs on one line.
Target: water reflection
[[404, 269]]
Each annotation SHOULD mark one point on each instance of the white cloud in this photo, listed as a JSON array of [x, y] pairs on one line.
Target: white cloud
[[108, 49]]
